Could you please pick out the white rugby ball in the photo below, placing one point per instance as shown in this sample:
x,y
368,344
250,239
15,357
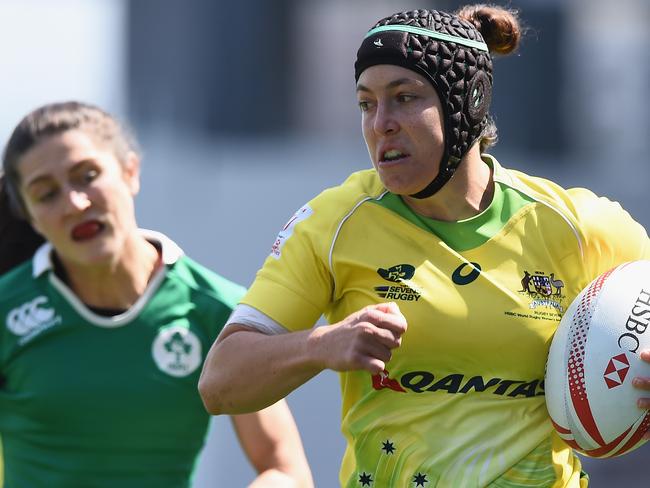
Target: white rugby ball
x,y
593,358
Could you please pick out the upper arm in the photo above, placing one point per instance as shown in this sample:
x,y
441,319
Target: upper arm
x,y
232,328
247,318
294,287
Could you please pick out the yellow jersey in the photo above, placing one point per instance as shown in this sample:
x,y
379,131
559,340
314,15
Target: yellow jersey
x,y
461,403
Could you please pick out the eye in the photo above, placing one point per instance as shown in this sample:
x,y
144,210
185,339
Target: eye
x,y
45,195
405,97
363,105
90,174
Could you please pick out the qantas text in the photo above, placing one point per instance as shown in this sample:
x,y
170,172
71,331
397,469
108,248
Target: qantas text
x,y
424,381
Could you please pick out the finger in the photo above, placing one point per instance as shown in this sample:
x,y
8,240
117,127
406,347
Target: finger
x,y
641,382
368,355
396,323
643,403
378,351
387,338
367,333
645,355
373,365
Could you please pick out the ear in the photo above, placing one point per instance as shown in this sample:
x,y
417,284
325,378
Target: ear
x,y
131,172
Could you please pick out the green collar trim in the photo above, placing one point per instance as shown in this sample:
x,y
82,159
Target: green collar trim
x,y
469,233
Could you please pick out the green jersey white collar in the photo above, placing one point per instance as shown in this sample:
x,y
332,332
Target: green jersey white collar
x,y
171,252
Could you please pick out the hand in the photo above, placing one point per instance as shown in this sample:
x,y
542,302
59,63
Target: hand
x,y
363,340
643,383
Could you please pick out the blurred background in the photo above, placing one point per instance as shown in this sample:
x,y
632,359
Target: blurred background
x,y
245,110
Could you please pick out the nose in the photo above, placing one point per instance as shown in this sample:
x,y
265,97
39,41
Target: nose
x,y
385,121
77,201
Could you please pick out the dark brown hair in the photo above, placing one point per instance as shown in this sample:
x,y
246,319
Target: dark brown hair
x,y
18,240
500,27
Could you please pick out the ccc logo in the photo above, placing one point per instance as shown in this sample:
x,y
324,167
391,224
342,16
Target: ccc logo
x,y
466,273
29,316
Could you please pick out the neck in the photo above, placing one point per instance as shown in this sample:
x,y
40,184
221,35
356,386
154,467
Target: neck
x,y
119,284
465,195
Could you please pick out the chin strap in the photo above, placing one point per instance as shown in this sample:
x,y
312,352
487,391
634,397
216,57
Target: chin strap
x,y
444,175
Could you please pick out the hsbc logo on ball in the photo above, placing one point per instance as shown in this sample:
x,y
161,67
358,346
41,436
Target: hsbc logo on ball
x,y
616,371
636,324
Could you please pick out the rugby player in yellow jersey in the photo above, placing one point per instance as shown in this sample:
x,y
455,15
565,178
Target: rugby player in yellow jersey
x,y
443,276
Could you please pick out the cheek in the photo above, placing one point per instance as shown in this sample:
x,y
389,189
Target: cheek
x,y
120,201
430,136
41,222
436,127
368,135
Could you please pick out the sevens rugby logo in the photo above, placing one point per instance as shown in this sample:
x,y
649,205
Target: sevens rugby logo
x,y
176,351
397,273
616,371
401,291
30,318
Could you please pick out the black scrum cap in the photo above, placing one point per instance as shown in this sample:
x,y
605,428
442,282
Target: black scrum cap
x,y
451,54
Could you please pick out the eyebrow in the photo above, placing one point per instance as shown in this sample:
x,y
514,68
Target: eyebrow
x,y
46,177
392,84
37,180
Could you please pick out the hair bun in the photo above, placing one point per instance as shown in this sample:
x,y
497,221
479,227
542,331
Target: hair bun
x,y
499,27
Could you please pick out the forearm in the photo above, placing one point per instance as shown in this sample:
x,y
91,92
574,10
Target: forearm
x,y
247,371
272,443
274,478
286,468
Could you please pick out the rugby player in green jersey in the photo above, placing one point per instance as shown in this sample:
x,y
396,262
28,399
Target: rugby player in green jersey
x,y
105,329
443,276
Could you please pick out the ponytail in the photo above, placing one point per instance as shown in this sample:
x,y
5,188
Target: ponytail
x,y
18,240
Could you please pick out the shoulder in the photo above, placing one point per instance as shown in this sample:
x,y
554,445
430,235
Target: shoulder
x,y
364,183
25,300
581,205
333,204
578,205
318,221
196,279
358,187
204,282
18,282
604,229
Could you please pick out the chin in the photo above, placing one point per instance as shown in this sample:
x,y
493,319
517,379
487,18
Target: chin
x,y
402,186
99,254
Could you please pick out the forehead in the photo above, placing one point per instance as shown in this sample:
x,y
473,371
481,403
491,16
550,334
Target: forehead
x,y
57,153
388,75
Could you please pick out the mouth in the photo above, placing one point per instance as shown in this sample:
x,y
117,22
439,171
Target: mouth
x,y
391,156
87,230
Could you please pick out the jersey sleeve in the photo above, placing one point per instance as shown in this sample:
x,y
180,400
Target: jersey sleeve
x,y
611,235
294,287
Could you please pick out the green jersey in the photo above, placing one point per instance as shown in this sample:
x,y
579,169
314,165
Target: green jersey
x,y
93,401
461,403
